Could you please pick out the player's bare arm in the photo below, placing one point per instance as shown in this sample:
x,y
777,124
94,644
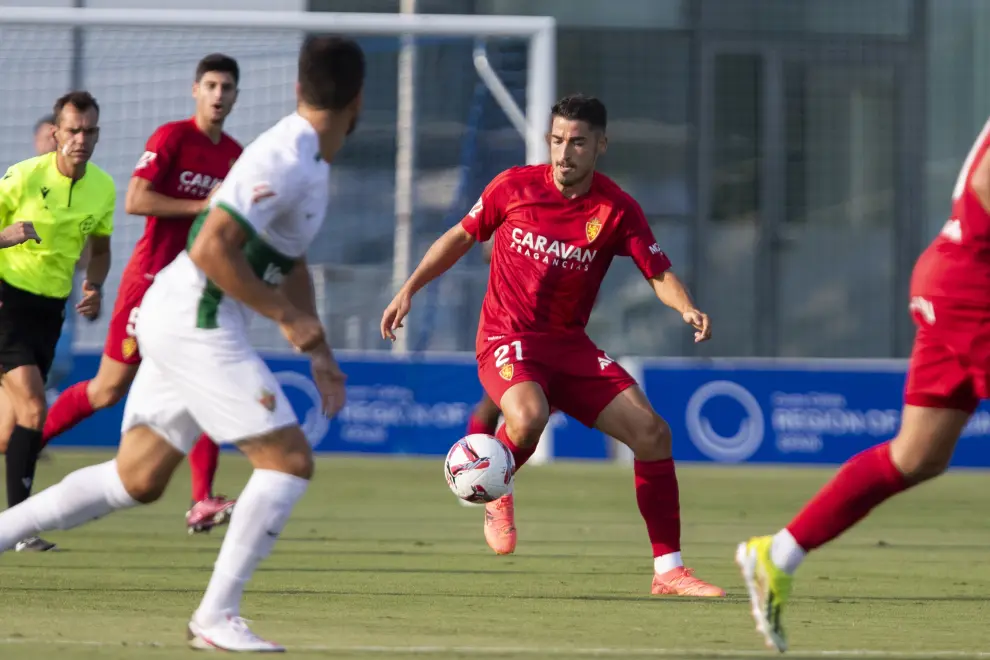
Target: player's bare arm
x,y
218,252
444,253
97,269
298,288
672,293
142,199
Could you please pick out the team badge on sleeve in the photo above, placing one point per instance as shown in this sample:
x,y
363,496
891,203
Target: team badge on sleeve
x,y
592,229
506,371
128,347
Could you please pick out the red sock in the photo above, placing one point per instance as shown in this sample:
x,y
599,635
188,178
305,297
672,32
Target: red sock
x,y
866,480
71,407
479,425
659,504
203,467
520,454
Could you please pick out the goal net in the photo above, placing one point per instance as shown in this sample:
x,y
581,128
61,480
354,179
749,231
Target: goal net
x,y
474,101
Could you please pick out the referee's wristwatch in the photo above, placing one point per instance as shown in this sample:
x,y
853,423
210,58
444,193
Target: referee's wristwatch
x,y
96,286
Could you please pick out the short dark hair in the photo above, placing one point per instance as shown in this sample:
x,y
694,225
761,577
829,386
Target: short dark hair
x,y
331,71
47,119
219,63
578,107
81,100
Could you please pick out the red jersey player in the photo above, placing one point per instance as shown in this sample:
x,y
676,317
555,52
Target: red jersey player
x,y
556,229
183,163
949,373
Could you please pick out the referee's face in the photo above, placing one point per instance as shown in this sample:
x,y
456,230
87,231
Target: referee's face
x,y
77,133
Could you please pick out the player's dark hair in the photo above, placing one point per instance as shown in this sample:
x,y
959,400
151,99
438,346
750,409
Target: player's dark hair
x,y
331,72
47,119
218,63
81,100
578,107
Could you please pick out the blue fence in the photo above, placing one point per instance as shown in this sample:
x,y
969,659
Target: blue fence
x,y
728,411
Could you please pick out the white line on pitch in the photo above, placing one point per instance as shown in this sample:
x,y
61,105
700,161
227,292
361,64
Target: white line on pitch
x,y
537,650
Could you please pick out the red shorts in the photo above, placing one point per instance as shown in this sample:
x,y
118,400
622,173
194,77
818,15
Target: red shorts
x,y
950,361
577,377
121,344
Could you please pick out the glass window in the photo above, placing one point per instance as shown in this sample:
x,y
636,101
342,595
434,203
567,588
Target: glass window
x,y
880,17
644,79
958,96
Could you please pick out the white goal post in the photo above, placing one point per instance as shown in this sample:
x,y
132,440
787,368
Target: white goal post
x,y
540,34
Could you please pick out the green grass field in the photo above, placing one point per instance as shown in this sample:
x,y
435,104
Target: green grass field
x,y
380,561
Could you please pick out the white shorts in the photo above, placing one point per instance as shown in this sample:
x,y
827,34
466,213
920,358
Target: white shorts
x,y
194,381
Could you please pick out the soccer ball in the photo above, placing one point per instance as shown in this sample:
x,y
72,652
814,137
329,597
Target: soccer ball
x,y
479,468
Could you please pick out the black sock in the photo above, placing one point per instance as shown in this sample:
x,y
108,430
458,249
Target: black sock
x,y
22,458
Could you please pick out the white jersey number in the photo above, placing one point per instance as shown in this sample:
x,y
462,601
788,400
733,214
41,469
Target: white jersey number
x,y
502,353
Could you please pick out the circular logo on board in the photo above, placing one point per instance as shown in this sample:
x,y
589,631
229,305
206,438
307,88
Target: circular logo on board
x,y
314,423
727,449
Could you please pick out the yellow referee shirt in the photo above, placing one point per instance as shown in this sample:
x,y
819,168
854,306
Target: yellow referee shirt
x,y
64,212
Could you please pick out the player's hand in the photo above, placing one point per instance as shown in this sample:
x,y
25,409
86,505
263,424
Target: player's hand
x,y
329,381
395,313
17,233
699,321
303,331
92,301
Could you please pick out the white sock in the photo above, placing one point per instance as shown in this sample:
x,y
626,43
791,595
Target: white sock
x,y
83,495
667,562
785,552
262,510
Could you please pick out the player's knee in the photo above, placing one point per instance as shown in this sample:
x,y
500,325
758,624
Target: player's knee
x,y
145,486
649,437
525,428
106,393
298,464
30,413
919,466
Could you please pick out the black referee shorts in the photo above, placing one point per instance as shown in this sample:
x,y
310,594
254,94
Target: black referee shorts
x,y
30,326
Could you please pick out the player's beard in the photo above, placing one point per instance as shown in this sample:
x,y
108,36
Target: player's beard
x,y
572,178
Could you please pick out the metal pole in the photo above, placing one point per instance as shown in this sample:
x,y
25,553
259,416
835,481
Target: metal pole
x,y
405,164
76,72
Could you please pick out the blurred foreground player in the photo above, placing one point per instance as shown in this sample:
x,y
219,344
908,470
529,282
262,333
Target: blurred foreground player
x,y
556,229
182,164
949,373
199,371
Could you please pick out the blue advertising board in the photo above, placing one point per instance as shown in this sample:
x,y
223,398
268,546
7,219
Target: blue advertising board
x,y
763,411
417,404
727,411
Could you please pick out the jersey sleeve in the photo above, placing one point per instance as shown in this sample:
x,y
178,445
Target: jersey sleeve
x,y
256,191
104,224
489,211
637,241
11,186
159,153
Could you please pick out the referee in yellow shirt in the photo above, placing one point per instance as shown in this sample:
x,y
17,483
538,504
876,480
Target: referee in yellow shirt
x,y
61,200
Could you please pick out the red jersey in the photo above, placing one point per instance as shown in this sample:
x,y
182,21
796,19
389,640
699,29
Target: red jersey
x,y
182,162
550,253
957,263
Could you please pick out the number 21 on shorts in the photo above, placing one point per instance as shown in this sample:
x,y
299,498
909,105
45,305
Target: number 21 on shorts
x,y
503,362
